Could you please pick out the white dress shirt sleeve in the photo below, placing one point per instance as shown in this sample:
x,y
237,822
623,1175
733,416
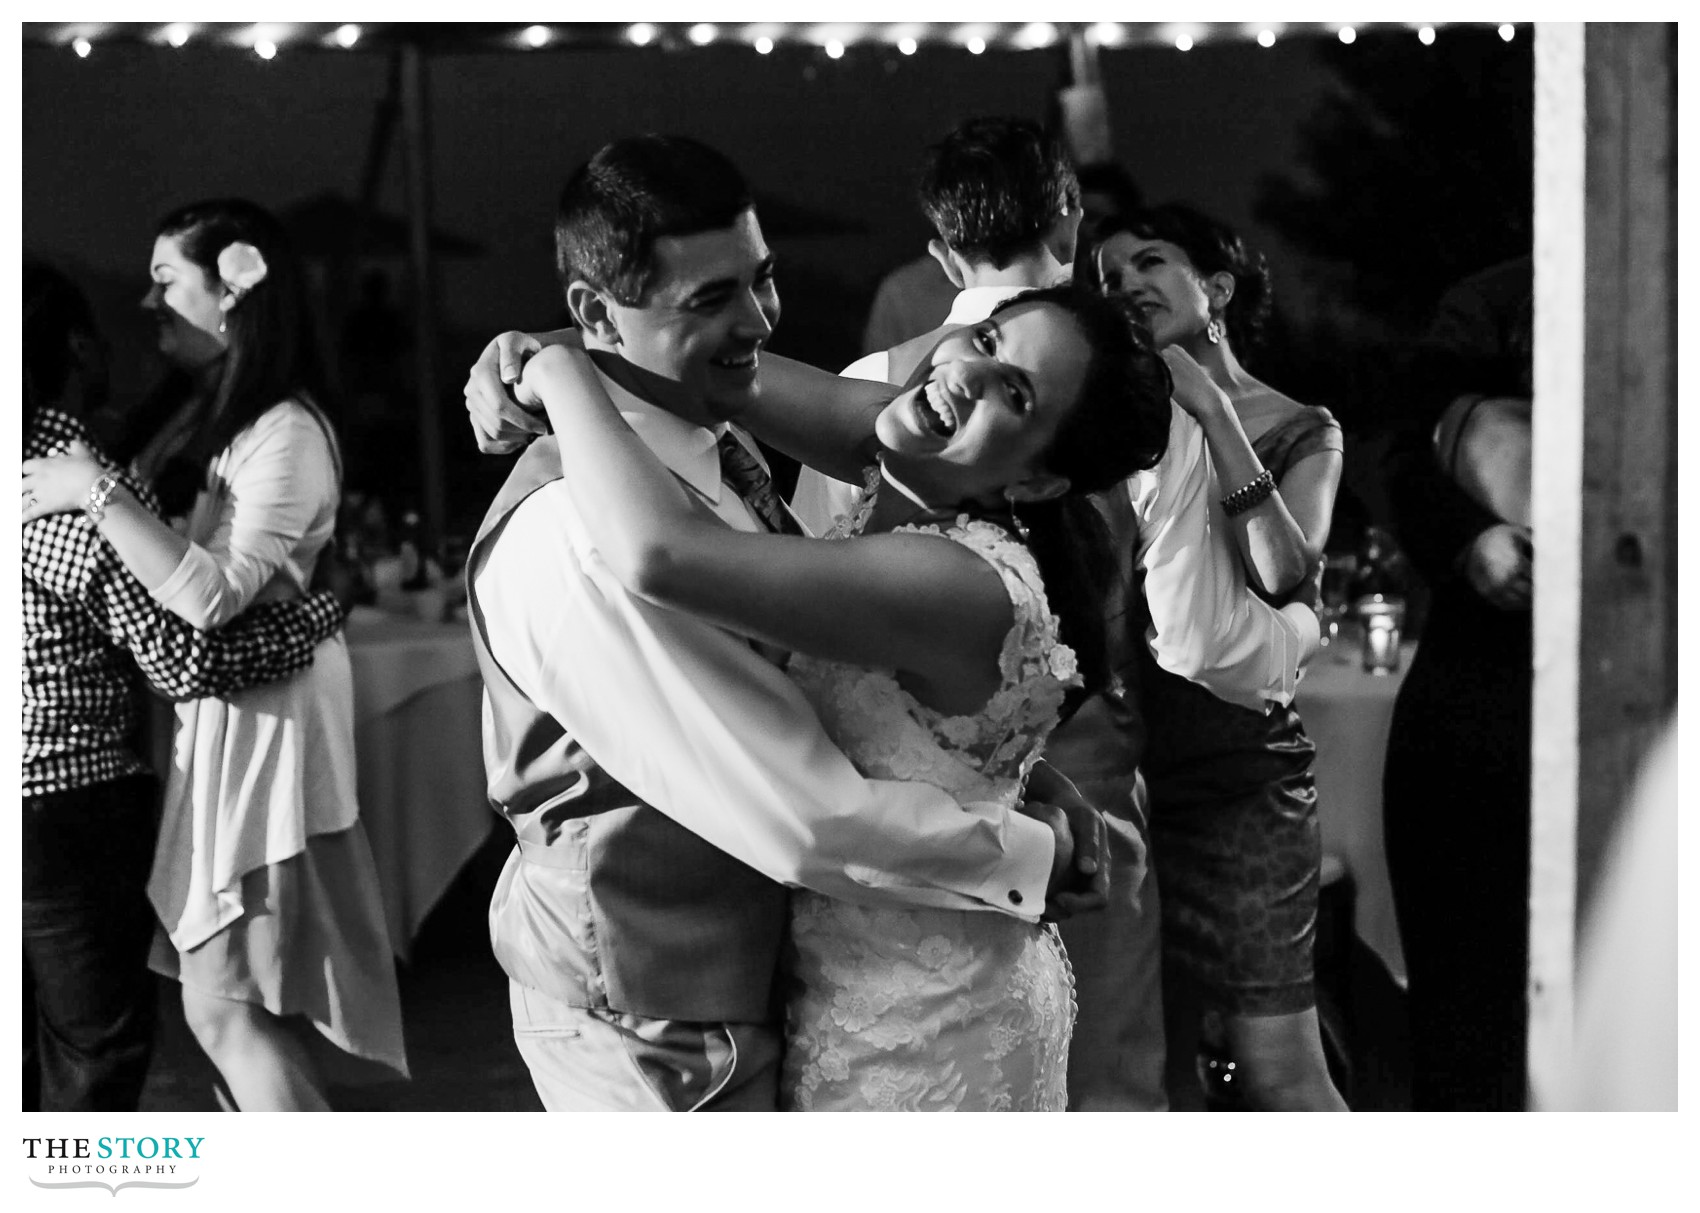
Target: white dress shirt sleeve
x,y
1206,625
689,718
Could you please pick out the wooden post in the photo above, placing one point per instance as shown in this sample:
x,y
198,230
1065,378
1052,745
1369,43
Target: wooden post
x,y
1627,680
416,148
1082,107
1604,471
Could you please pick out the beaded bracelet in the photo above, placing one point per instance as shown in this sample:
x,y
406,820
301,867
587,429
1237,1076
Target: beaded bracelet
x,y
1254,493
100,492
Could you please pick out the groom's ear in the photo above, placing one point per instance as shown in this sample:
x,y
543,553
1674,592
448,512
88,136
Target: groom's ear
x,y
947,261
592,312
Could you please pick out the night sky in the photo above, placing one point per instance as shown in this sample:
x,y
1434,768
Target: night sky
x,y
112,142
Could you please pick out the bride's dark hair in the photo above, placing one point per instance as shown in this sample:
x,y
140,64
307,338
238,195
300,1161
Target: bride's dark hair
x,y
1119,426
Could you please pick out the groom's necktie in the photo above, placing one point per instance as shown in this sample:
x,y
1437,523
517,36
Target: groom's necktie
x,y
747,477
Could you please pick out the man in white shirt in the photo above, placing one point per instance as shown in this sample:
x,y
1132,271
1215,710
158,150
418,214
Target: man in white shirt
x,y
1005,203
665,781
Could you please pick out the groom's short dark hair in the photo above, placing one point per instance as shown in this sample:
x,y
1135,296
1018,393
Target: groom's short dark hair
x,y
615,206
993,187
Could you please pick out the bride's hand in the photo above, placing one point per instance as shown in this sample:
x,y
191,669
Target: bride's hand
x,y
1195,391
499,424
539,366
58,484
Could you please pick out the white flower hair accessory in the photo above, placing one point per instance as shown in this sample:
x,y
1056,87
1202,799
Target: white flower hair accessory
x,y
240,267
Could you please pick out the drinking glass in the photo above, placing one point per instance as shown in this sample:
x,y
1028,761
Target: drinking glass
x,y
1337,574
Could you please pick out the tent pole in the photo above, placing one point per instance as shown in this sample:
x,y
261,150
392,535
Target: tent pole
x,y
415,144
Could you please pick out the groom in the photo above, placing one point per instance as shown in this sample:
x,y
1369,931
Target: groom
x,y
665,781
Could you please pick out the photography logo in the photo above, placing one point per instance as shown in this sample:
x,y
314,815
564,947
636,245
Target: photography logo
x,y
113,1163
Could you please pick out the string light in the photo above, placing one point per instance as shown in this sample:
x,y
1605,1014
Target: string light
x,y
1036,34
1508,32
265,40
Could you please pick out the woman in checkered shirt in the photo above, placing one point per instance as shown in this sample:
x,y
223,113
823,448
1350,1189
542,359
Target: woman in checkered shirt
x,y
263,880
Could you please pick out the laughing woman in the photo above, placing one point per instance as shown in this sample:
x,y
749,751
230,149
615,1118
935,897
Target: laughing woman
x,y
1235,840
263,879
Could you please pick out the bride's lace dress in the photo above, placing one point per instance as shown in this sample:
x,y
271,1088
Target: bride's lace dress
x,y
922,1009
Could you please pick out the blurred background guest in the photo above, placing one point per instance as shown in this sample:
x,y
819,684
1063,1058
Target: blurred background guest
x,y
263,878
1235,839
1456,790
89,799
913,299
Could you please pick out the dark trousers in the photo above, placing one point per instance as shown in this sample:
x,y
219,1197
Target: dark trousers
x,y
1457,824
89,999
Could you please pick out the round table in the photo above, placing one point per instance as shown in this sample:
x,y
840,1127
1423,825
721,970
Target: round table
x,y
1348,713
418,750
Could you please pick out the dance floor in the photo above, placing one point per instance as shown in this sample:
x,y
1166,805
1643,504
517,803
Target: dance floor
x,y
454,1002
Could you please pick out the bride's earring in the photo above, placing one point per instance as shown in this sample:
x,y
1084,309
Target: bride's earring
x,y
1213,331
1015,521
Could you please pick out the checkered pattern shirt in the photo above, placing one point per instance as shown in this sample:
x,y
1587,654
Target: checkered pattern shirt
x,y
89,626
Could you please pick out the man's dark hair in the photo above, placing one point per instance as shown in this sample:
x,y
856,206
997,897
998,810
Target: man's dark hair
x,y
619,202
55,312
993,187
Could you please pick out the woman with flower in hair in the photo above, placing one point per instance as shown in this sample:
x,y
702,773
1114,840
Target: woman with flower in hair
x,y
1235,841
263,880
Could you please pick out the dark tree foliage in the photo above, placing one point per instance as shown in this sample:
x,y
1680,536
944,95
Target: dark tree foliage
x,y
1418,167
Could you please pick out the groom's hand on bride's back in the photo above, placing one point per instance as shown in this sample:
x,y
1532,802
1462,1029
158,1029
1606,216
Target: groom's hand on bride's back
x,y
499,422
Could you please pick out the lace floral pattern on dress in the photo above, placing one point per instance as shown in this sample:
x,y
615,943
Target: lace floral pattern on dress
x,y
925,1009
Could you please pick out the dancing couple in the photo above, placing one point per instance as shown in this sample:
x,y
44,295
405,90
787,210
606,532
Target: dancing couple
x,y
717,859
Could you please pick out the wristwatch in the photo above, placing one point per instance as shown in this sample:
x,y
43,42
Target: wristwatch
x,y
100,492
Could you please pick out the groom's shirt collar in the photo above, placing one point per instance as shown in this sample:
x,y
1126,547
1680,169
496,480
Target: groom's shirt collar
x,y
977,302
687,448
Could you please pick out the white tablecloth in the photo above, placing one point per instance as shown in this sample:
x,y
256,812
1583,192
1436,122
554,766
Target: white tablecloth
x,y
1348,714
421,769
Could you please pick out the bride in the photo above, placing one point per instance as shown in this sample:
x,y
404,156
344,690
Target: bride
x,y
938,640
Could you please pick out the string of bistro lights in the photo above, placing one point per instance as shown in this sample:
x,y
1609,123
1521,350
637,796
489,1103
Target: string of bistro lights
x,y
834,40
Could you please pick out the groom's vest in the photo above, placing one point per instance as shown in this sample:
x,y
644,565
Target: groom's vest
x,y
606,902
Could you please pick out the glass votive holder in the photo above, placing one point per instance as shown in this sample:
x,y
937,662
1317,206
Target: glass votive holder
x,y
1381,618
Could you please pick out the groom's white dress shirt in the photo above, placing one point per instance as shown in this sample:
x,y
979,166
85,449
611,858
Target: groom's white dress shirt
x,y
693,721
1205,626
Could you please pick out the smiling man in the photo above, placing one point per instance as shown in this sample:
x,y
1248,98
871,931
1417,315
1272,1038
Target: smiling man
x,y
665,781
